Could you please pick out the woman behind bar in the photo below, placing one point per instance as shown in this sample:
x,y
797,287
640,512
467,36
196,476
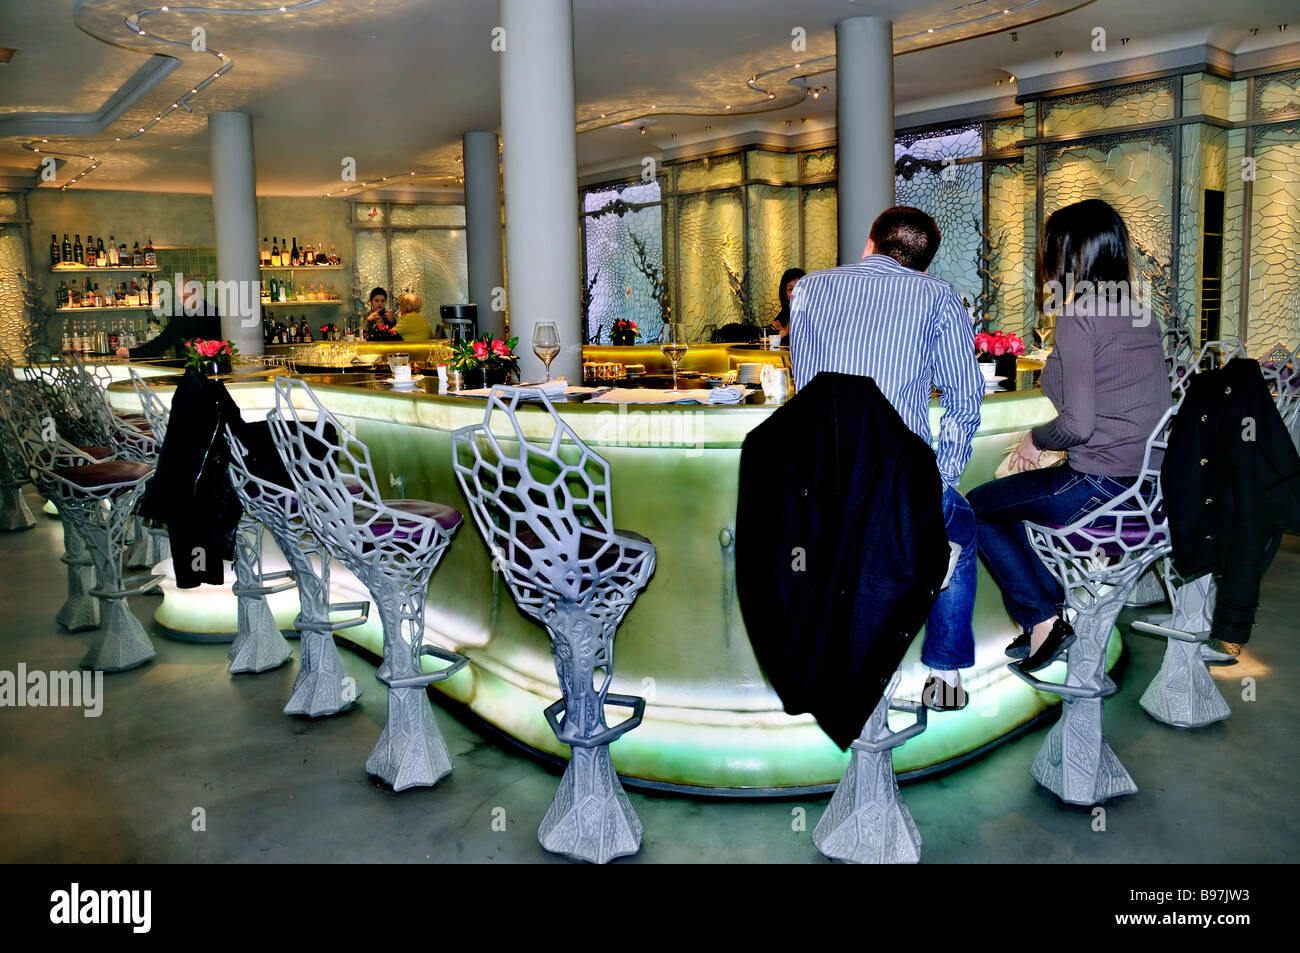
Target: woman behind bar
x,y
1108,382
781,323
379,313
411,325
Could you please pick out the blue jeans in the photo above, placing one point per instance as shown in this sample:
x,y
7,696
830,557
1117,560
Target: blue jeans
x,y
1055,495
949,642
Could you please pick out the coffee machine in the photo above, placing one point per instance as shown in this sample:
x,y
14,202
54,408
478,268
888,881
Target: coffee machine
x,y
461,321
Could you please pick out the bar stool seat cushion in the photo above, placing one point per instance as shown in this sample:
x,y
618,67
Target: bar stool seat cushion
x,y
588,546
96,475
446,517
99,453
1134,533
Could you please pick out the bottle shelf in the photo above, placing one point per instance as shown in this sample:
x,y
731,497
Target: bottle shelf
x,y
294,304
302,267
85,269
129,307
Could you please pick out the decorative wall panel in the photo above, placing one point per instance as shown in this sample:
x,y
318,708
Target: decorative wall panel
x,y
773,244
820,163
712,259
1234,230
1275,236
1005,133
1107,108
710,172
1006,226
926,176
372,261
8,205
1206,95
1277,93
453,215
431,262
775,166
1205,151
369,214
820,228
12,262
620,290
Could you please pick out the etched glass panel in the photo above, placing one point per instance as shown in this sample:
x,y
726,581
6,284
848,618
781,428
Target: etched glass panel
x,y
712,261
1005,133
12,317
1279,92
710,171
615,277
820,228
431,262
8,205
1275,236
819,164
773,244
773,166
1107,108
1009,279
427,215
372,263
927,176
372,214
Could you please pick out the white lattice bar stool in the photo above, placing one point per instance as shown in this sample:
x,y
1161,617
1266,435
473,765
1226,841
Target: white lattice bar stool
x,y
1097,559
392,547
322,686
545,510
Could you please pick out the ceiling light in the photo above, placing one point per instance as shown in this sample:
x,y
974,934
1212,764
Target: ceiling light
x,y
931,30
771,95
643,130
164,9
284,9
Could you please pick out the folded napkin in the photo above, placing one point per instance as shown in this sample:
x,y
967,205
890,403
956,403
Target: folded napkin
x,y
552,388
727,395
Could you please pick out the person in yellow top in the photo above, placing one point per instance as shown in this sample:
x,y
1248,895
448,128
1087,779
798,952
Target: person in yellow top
x,y
411,325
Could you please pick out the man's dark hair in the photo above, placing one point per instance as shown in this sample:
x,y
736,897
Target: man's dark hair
x,y
907,235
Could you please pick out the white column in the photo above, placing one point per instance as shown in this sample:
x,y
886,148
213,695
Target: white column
x,y
864,86
234,214
483,227
541,179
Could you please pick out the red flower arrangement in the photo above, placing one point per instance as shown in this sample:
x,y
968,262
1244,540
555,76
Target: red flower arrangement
x,y
624,325
203,355
999,343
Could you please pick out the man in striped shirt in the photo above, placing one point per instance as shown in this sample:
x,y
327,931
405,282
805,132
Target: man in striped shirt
x,y
882,317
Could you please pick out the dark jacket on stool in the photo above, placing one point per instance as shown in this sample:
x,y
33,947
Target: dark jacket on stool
x,y
190,491
1231,480
840,548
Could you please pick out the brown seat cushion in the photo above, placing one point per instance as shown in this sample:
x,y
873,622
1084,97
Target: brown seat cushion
x,y
96,475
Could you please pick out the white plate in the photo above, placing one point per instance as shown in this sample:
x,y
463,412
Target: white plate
x,y
396,383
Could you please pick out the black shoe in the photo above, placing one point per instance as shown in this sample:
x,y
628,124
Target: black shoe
x,y
938,695
1057,641
1020,647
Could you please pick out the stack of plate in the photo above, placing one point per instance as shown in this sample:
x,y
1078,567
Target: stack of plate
x,y
748,373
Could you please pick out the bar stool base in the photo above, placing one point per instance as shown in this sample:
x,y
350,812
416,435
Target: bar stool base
x,y
15,515
411,751
1183,693
1147,591
80,611
259,647
591,817
867,821
122,643
1075,763
323,686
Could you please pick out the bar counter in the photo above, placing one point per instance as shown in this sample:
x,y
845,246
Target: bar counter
x,y
712,723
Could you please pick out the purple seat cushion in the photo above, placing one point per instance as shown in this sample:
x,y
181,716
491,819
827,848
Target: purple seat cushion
x,y
99,453
383,527
1134,533
96,475
588,546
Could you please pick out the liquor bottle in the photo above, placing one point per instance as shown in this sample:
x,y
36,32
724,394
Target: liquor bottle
x,y
294,260
114,259
76,252
304,332
308,256
276,258
55,257
137,256
264,254
67,339
101,256
67,248
150,256
123,256
88,296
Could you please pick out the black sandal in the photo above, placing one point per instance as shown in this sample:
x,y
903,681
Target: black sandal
x,y
1057,641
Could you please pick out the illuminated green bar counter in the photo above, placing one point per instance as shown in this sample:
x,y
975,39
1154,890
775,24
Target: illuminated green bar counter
x,y
712,723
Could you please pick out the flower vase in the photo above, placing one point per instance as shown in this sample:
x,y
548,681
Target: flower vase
x,y
1006,367
211,366
475,378
622,338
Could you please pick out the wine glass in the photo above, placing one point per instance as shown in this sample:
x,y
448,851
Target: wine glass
x,y
546,344
673,345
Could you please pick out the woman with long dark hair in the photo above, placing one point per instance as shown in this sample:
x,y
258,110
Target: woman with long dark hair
x,y
1107,380
781,323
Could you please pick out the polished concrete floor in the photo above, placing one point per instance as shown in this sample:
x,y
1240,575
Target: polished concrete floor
x,y
180,734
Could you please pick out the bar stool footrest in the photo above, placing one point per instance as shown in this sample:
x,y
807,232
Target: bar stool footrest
x,y
609,735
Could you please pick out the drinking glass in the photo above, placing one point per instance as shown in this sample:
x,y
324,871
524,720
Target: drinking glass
x,y
546,344
673,344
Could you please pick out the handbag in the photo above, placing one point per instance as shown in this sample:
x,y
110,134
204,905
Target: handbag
x,y
1048,458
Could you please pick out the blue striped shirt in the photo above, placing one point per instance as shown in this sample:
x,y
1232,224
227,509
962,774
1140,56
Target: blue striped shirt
x,y
904,329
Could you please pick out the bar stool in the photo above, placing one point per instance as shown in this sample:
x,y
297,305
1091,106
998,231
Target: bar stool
x,y
1183,693
1097,559
15,514
97,498
392,546
322,686
1281,370
545,512
867,821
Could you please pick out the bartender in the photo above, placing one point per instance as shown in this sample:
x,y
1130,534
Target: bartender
x,y
198,320
781,323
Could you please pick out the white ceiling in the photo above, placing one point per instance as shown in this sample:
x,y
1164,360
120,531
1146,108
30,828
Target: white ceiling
x,y
394,83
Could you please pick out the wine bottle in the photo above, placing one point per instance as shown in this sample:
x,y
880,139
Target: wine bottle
x,y
276,258
77,253
137,256
55,257
150,256
294,260
101,256
264,254
67,248
114,260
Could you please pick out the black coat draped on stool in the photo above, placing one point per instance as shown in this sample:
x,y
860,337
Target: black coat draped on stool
x,y
1231,481
840,548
